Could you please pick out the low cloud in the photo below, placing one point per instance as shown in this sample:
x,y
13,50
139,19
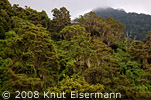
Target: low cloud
x,y
78,7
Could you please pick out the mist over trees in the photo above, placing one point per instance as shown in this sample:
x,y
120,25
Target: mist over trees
x,y
137,25
92,54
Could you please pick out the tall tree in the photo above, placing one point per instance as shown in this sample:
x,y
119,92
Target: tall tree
x,y
34,56
109,30
74,48
139,52
148,44
61,18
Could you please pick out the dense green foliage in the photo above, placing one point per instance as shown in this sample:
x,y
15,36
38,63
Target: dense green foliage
x,y
137,25
89,55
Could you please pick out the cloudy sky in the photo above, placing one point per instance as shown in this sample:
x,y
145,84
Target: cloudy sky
x,y
79,7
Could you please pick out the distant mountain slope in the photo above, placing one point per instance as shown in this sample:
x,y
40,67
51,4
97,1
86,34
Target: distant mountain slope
x,y
136,24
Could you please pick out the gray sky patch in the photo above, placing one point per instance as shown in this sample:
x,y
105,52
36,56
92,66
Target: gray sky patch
x,y
79,7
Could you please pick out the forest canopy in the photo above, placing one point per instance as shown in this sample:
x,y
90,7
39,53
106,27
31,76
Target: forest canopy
x,y
90,54
137,25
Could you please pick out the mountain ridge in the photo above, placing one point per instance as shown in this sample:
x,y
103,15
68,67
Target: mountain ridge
x,y
137,25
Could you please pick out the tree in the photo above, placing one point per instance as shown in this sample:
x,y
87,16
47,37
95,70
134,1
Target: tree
x,y
147,41
4,23
73,49
61,18
140,53
102,52
78,84
33,58
109,30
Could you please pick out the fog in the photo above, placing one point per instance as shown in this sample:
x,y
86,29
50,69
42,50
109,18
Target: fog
x,y
79,7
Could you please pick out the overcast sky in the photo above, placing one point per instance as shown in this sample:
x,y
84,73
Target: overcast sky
x,y
79,7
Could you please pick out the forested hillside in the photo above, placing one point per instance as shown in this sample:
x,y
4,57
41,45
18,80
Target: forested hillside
x,y
90,55
137,25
